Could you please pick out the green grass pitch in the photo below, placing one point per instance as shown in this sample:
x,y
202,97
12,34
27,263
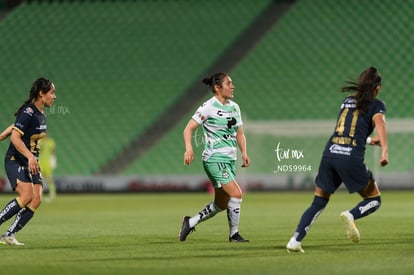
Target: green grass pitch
x,y
138,234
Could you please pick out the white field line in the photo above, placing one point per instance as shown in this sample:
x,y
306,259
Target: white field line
x,y
297,128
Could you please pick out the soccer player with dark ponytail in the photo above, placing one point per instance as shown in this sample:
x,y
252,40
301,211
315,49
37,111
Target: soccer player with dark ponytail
x,y
21,161
343,157
222,124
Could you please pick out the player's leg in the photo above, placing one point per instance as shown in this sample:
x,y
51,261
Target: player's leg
x,y
189,223
211,209
47,174
234,193
10,209
25,191
25,195
327,181
26,214
371,202
19,182
52,188
226,197
309,216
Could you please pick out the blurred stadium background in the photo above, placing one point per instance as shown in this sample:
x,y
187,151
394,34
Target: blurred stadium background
x,y
128,77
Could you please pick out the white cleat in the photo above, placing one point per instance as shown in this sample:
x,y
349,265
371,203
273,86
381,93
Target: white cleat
x,y
351,229
294,246
10,240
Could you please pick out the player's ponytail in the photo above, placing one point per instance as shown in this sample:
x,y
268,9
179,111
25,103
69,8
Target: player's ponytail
x,y
41,84
216,79
368,81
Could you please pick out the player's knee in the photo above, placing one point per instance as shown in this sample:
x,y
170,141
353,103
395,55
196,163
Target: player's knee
x,y
35,203
25,198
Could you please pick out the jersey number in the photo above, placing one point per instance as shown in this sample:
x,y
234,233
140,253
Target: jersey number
x,y
341,124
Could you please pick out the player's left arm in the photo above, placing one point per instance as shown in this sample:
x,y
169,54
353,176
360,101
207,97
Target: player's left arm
x,y
242,143
381,138
6,132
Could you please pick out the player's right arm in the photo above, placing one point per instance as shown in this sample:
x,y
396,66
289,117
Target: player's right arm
x,y
187,134
16,140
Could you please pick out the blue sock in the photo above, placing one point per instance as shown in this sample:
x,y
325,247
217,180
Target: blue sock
x,y
309,216
9,210
20,221
366,207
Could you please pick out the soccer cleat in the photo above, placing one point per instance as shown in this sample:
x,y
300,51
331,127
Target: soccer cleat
x,y
10,240
294,246
237,238
185,228
351,229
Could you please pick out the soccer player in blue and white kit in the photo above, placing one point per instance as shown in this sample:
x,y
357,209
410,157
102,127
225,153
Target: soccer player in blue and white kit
x,y
21,161
343,157
223,132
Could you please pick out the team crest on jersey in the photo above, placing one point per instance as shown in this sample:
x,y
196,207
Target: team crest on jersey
x,y
29,111
201,116
225,174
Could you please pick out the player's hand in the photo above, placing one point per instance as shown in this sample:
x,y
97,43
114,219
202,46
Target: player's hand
x,y
375,141
33,166
188,157
384,162
384,159
246,161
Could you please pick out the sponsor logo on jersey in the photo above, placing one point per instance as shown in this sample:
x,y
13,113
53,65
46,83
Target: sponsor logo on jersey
x,y
29,111
341,150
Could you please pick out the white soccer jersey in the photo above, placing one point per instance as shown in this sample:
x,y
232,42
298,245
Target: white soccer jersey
x,y
220,123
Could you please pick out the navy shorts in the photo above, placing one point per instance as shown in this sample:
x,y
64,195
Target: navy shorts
x,y
335,171
18,173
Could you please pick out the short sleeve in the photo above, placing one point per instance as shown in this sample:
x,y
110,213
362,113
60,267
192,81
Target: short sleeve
x,y
201,114
23,119
379,108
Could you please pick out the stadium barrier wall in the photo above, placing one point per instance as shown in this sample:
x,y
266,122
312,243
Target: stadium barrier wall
x,y
187,183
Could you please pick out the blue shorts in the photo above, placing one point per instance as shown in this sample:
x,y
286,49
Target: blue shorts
x,y
335,171
220,172
18,173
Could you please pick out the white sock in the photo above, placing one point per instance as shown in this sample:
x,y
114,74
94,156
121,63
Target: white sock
x,y
206,213
233,215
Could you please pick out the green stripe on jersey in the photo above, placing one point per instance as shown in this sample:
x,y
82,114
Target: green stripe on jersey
x,y
220,123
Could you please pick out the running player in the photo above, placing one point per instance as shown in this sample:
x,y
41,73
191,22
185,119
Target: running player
x,y
47,163
343,157
223,132
21,162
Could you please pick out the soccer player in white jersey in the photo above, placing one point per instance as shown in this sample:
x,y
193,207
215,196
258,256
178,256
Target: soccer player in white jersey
x,y
223,132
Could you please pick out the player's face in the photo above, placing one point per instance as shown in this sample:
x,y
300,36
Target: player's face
x,y
49,97
227,88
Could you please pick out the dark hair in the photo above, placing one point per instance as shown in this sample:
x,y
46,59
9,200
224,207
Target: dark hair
x,y
41,84
216,79
367,83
